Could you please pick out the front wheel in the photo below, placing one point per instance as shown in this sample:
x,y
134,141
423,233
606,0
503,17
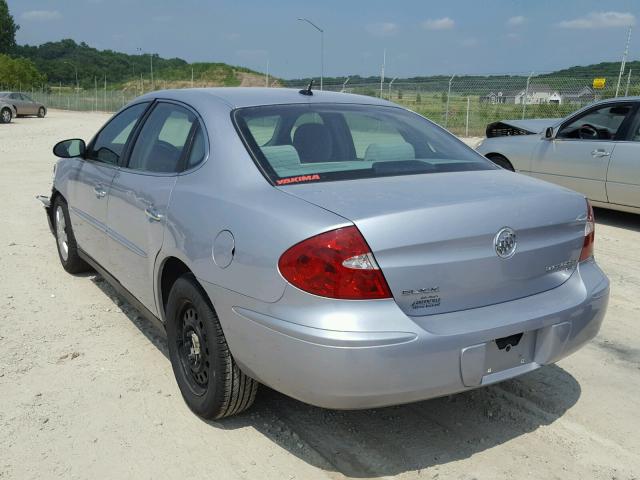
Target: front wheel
x,y
65,240
211,383
6,116
41,112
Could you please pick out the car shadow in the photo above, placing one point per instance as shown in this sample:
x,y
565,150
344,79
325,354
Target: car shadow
x,y
394,440
614,218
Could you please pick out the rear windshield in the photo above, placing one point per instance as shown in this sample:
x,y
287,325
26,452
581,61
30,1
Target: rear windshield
x,y
324,142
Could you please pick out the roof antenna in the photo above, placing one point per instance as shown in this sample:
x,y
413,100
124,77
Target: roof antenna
x,y
307,91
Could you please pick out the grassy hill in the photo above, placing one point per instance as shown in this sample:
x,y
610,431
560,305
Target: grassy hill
x,y
57,60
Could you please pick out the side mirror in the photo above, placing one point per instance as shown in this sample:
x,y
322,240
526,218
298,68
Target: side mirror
x,y
548,133
70,148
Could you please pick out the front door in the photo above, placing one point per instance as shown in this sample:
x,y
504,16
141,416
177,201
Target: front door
x,y
623,177
30,107
141,194
578,157
19,104
90,183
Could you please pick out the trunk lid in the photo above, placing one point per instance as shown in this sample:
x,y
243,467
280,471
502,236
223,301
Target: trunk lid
x,y
433,235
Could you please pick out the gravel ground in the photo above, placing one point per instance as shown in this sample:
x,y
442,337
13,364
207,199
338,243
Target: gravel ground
x,y
87,391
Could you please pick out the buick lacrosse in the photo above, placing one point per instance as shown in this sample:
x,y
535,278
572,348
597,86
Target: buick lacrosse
x,y
338,248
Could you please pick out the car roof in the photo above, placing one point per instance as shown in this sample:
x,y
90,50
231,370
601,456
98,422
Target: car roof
x,y
238,97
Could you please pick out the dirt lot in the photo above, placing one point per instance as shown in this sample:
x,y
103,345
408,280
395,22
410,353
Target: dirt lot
x,y
86,390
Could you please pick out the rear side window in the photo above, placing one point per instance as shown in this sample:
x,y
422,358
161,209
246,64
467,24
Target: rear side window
x,y
163,139
326,142
110,142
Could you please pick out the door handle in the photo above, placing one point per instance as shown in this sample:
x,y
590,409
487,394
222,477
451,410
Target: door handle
x,y
598,153
99,191
153,214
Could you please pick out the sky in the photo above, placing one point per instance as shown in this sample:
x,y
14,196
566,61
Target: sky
x,y
421,37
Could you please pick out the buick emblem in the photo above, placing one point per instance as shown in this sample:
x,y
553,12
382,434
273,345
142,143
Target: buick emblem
x,y
505,243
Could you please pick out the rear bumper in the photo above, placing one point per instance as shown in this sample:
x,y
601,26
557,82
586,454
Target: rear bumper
x,y
382,357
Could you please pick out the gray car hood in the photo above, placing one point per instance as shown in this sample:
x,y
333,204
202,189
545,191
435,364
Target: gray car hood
x,y
532,125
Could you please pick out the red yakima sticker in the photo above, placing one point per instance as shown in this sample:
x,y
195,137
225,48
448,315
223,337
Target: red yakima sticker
x,y
302,178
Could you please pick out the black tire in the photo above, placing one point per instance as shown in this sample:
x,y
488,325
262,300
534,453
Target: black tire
x,y
65,240
42,112
211,383
6,115
501,161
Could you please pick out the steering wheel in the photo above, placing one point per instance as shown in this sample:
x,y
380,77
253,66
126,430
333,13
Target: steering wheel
x,y
588,132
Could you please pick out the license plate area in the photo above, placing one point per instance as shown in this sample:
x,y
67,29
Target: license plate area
x,y
508,352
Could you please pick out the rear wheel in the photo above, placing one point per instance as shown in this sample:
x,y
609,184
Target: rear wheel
x,y
501,161
42,112
65,240
211,383
6,115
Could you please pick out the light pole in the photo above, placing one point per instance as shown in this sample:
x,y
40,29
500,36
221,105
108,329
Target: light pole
x,y
76,70
321,46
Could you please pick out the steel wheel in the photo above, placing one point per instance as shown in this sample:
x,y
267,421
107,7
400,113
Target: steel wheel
x,y
193,350
61,233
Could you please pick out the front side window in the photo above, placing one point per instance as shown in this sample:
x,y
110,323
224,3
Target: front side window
x,y
326,142
163,139
599,124
110,142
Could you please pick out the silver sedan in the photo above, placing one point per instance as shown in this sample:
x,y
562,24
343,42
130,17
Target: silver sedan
x,y
23,104
594,151
338,248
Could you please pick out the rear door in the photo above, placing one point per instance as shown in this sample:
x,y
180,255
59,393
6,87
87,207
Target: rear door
x,y
578,157
88,188
623,177
140,196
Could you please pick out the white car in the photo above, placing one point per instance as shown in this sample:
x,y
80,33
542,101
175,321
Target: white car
x,y
595,151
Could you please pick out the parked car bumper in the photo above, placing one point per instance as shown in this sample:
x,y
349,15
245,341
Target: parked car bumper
x,y
414,358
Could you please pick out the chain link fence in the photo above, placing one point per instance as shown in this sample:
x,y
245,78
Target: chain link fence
x,y
462,104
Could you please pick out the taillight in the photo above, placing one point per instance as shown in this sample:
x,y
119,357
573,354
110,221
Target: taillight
x,y
335,264
589,235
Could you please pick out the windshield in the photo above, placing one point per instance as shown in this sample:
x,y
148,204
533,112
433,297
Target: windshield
x,y
4,94
325,142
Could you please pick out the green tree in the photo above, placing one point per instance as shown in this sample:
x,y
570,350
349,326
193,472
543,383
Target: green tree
x,y
8,29
19,72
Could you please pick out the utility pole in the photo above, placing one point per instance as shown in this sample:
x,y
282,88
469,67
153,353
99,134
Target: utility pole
x,y
321,47
384,62
191,76
626,91
624,59
76,70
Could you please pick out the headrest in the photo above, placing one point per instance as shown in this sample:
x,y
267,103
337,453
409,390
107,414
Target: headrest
x,y
313,143
281,157
384,152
